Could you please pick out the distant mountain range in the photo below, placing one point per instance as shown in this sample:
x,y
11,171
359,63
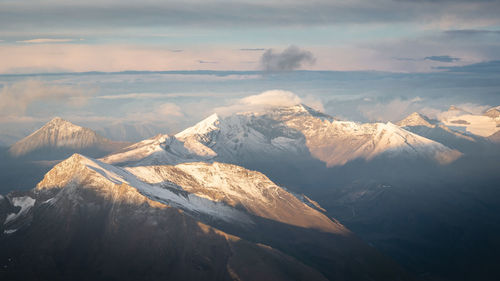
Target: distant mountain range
x,y
297,131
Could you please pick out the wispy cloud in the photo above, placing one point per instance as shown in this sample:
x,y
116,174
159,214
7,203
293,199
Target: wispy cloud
x,y
251,13
16,97
209,62
48,40
131,96
491,67
271,98
290,59
442,58
471,32
393,110
252,49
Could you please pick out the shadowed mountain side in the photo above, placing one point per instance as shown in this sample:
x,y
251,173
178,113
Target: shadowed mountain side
x,y
20,174
495,137
104,239
81,188
440,224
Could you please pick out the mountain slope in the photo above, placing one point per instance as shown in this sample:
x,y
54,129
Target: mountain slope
x,y
482,125
296,132
416,119
60,138
88,220
431,129
95,229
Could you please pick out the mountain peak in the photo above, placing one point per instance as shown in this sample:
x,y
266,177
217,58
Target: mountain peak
x,y
493,112
415,119
59,135
57,119
204,126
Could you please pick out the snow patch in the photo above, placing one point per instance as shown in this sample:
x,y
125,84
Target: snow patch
x,y
9,231
25,203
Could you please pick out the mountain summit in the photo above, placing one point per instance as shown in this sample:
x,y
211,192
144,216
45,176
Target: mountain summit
x,y
59,138
416,119
294,132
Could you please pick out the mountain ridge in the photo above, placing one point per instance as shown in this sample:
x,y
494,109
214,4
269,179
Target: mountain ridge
x,y
295,130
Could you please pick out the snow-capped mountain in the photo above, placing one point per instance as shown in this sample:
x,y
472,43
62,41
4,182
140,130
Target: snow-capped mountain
x,y
220,191
60,138
298,132
417,119
493,112
434,130
190,221
483,125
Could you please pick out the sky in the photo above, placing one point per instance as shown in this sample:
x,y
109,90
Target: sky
x,y
112,35
159,66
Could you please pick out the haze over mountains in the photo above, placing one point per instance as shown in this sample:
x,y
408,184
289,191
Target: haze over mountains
x,y
189,206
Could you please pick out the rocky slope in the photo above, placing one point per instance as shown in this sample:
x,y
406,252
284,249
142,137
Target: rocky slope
x,y
198,221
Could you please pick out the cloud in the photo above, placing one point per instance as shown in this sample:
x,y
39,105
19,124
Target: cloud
x,y
290,59
132,96
163,113
210,62
48,40
442,58
252,49
169,109
492,67
16,97
116,57
126,13
265,100
470,32
473,107
394,110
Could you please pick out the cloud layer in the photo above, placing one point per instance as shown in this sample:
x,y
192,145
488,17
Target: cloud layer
x,y
110,13
15,98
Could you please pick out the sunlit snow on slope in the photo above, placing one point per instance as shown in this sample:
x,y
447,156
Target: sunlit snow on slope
x,y
480,125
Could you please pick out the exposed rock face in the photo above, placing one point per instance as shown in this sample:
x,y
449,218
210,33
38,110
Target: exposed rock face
x,y
60,137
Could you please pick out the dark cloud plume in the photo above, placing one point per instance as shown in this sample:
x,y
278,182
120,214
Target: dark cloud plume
x,y
290,59
442,58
